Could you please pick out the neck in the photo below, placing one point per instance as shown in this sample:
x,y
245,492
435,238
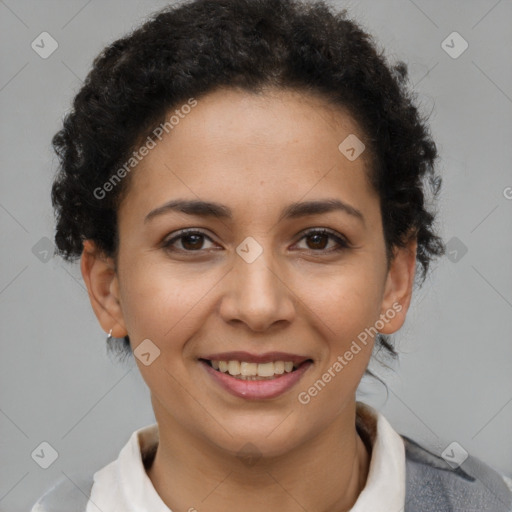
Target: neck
x,y
325,473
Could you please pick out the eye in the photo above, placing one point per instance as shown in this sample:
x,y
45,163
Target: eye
x,y
193,241
319,239
190,240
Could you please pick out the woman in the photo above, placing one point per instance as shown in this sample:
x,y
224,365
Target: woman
x,y
243,181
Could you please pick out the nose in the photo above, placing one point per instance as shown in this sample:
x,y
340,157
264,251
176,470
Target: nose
x,y
258,294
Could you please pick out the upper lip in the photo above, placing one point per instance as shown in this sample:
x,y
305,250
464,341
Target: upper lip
x,y
267,357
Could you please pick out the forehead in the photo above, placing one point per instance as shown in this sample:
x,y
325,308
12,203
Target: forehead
x,y
238,146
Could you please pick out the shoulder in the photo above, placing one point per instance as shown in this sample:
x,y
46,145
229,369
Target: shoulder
x,y
71,493
68,494
433,485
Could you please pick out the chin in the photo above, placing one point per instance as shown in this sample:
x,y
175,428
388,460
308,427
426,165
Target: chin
x,y
267,439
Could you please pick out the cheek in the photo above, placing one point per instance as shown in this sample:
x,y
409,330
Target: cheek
x,y
161,305
160,301
347,307
345,302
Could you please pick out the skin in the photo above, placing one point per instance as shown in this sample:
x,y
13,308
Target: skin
x,y
255,154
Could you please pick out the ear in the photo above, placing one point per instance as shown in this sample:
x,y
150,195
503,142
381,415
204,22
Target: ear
x,y
398,287
102,283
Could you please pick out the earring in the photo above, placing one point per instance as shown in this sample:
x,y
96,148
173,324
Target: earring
x,y
109,337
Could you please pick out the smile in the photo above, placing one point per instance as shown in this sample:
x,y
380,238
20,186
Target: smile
x,y
244,370
256,380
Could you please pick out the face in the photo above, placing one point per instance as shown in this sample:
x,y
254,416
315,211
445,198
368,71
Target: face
x,y
288,265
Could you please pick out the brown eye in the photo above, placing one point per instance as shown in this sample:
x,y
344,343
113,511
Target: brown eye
x,y
318,240
191,241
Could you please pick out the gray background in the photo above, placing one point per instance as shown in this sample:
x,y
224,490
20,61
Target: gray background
x,y
454,381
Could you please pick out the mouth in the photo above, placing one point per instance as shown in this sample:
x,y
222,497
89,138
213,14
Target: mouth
x,y
256,376
246,370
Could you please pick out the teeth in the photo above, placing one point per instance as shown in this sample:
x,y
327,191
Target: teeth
x,y
234,368
246,370
279,367
266,369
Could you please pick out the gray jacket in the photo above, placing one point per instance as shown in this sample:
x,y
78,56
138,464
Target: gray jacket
x,y
431,486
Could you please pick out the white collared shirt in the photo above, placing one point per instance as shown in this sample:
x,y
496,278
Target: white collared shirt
x,y
124,486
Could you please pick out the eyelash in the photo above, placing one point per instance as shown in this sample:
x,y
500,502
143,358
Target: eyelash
x,y
342,242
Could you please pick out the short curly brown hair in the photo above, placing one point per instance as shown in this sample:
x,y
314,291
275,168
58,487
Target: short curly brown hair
x,y
192,48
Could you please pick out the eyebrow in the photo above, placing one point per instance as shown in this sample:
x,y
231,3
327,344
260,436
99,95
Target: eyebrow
x,y
220,211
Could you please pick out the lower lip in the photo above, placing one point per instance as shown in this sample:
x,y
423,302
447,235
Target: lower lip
x,y
258,389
